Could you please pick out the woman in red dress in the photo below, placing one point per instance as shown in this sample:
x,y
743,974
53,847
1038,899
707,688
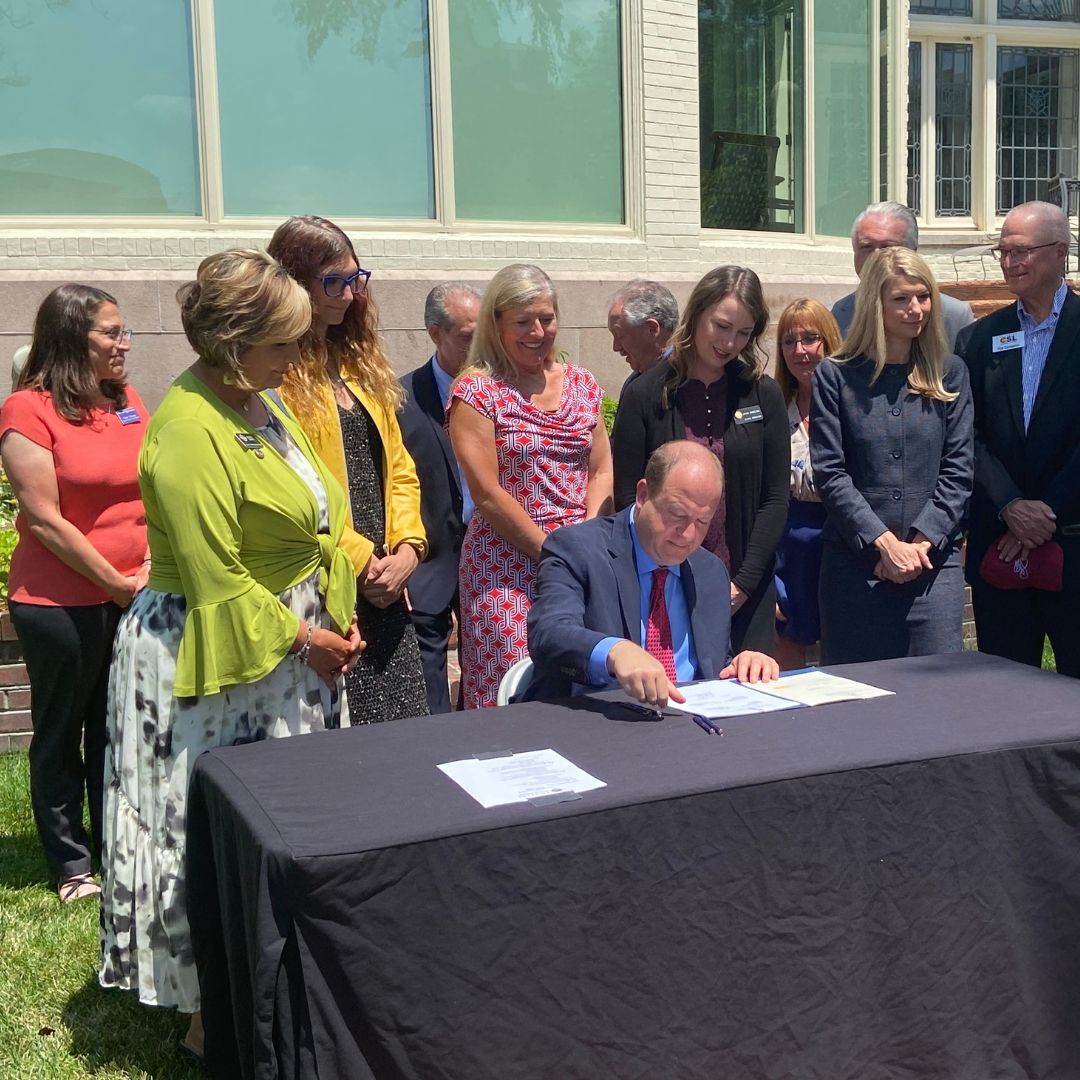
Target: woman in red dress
x,y
528,434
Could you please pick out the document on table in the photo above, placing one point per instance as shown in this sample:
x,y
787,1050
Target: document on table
x,y
727,697
519,778
820,688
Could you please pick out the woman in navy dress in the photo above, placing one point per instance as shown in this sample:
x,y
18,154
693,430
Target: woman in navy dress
x,y
893,450
805,335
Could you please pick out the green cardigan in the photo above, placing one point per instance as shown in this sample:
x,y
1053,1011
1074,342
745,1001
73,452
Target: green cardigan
x,y
228,529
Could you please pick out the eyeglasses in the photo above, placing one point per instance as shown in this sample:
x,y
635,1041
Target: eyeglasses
x,y
807,341
1019,253
117,334
334,285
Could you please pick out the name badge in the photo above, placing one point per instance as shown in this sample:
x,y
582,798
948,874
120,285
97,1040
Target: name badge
x,y
250,442
129,416
1005,342
752,414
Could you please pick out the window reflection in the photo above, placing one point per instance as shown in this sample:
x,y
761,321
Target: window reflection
x,y
751,59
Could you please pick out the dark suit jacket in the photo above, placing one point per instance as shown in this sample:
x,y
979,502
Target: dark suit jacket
x,y
587,589
1044,462
434,582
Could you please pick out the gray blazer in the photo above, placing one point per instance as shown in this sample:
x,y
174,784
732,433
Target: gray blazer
x,y
886,459
957,315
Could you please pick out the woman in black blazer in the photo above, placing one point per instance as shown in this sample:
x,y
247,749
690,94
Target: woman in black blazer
x,y
893,452
712,389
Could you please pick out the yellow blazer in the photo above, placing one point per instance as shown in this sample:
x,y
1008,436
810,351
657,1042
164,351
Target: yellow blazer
x,y
400,485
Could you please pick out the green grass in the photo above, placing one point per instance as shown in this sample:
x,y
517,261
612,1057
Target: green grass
x,y
56,1023
1048,661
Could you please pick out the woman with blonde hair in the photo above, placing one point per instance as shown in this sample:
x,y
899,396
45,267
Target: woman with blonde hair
x,y
714,391
805,334
892,444
246,626
528,435
346,397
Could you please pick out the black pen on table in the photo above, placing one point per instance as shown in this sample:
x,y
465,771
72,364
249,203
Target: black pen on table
x,y
705,724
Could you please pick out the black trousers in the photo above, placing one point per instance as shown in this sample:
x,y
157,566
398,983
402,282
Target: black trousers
x,y
433,637
1013,622
67,651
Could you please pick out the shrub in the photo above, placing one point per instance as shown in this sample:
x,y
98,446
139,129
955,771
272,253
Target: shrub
x,y
8,536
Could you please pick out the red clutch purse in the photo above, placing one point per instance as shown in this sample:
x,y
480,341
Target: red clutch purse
x,y
1042,569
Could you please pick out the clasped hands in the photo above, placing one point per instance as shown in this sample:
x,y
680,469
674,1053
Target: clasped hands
x,y
1030,523
642,676
900,561
331,655
384,577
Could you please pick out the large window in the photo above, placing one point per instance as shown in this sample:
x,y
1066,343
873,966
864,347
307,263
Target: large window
x,y
752,141
400,110
755,156
325,110
994,96
97,108
537,110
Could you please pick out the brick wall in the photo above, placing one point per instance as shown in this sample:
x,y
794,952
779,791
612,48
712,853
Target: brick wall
x,y
14,690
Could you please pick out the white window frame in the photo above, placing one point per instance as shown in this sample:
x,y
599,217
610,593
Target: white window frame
x,y
211,180
984,31
897,165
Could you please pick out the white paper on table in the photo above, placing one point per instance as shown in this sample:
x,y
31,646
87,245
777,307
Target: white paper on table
x,y
727,697
820,688
519,777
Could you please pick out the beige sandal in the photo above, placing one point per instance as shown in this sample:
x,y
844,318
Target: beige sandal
x,y
79,887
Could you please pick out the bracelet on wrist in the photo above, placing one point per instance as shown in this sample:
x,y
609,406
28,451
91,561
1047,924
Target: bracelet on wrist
x,y
304,651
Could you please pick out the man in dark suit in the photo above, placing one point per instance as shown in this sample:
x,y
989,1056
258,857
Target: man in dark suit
x,y
1024,362
632,600
891,224
450,316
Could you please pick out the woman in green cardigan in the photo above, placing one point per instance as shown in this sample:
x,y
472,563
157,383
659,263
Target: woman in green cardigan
x,y
246,627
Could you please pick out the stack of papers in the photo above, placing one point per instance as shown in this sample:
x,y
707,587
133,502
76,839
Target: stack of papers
x,y
515,778
726,697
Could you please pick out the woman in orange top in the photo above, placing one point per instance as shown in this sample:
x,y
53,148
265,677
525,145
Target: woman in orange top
x,y
69,439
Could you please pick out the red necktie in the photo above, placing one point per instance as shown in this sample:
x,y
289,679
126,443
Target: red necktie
x,y
658,628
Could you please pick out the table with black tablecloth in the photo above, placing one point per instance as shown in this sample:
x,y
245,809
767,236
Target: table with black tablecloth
x,y
869,889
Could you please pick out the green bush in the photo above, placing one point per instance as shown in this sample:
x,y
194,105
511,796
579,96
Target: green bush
x,y
8,536
607,408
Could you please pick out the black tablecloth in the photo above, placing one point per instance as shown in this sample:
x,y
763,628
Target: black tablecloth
x,y
886,888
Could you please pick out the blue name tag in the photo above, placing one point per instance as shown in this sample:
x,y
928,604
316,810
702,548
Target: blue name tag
x,y
129,416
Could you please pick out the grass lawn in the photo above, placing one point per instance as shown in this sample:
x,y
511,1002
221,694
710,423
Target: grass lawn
x,y
56,1023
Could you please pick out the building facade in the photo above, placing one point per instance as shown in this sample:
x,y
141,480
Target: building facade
x,y
601,139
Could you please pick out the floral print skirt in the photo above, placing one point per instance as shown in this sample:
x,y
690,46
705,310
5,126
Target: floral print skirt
x,y
154,739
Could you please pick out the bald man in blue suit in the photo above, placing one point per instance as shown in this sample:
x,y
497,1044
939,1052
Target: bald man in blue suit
x,y
588,624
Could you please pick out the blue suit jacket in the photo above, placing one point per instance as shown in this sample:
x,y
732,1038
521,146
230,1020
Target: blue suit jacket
x,y
587,589
434,582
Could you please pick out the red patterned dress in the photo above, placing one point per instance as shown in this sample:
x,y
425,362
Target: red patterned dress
x,y
544,463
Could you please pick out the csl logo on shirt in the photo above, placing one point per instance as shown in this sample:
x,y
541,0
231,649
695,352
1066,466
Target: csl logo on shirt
x,y
1005,342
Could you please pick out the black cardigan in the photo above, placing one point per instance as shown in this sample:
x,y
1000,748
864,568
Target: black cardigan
x,y
757,463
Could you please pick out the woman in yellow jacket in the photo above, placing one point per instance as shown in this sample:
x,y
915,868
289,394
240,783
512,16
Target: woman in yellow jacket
x,y
346,397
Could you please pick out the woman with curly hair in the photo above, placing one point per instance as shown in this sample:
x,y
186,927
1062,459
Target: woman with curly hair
x,y
346,397
713,390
